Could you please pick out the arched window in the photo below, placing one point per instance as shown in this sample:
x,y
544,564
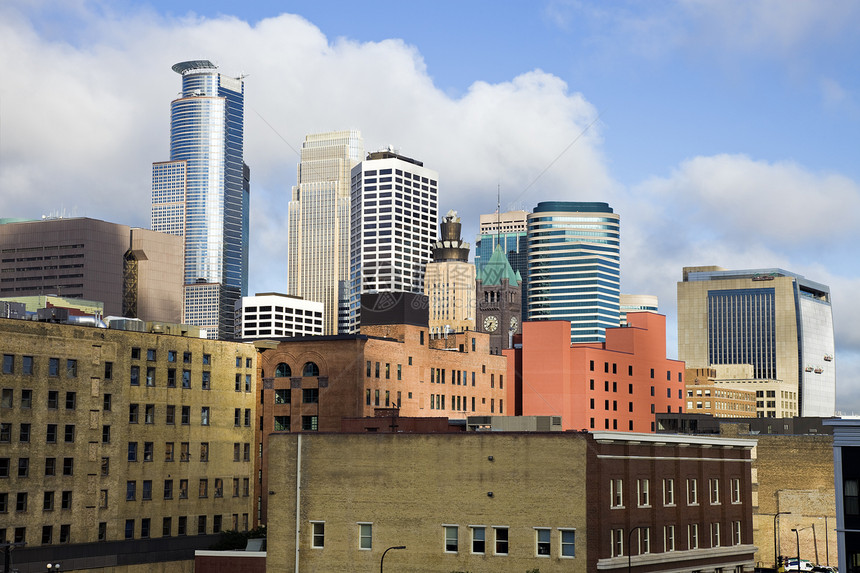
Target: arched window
x,y
283,371
311,369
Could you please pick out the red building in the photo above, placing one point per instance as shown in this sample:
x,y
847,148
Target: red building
x,y
615,385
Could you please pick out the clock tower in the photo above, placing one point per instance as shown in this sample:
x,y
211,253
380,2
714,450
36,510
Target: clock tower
x,y
498,301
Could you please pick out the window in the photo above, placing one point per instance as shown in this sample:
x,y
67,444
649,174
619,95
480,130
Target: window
x,y
246,487
542,541
247,382
147,451
617,541
184,452
310,396
204,416
68,466
693,536
23,467
644,540
53,366
8,364
6,432
692,491
48,501
668,538
103,499
130,490
134,376
183,489
6,398
185,415
235,487
282,424
132,413
27,366
201,525
216,523
317,534
219,487
71,368
451,538
309,423
26,399
310,369
182,525
24,433
203,489
150,376
616,498
206,379
47,534
170,415
736,490
186,378
715,534
69,433
21,501
186,358
365,536
171,377
171,356
248,417
479,540
168,489
132,451
129,529
102,535
4,467
106,434
53,399
150,354
237,417
567,538
668,491
107,402
204,451
207,359
108,371
105,466
144,527
71,400
714,484
282,396
501,534
283,371
643,487
149,414
146,494
66,500
736,532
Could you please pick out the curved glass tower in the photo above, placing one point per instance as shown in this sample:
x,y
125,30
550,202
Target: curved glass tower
x,y
202,193
574,267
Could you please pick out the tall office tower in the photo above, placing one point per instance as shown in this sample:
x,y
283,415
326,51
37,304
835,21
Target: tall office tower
x,y
203,194
510,231
394,217
778,322
449,281
318,249
574,267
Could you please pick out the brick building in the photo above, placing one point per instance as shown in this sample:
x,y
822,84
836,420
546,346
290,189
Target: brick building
x,y
311,384
706,395
120,448
618,384
502,501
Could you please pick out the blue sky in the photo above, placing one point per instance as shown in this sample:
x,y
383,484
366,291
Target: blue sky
x,y
725,132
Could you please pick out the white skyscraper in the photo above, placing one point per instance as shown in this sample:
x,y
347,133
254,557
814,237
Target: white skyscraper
x,y
318,250
394,220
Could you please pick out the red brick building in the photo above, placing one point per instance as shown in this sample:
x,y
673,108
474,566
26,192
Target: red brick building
x,y
615,385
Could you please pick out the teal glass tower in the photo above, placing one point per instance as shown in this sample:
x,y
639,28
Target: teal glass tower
x,y
574,270
203,194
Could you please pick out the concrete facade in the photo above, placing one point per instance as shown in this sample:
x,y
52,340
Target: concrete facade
x,y
122,446
615,385
267,315
85,258
498,501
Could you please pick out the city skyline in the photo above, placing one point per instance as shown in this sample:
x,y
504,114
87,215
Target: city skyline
x,y
742,120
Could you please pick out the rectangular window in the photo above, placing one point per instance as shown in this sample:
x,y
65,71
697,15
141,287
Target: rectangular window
x,y
108,371
736,532
365,536
166,526
69,433
184,452
107,401
479,541
282,424
206,380
715,534
150,376
182,525
149,414
451,537
568,542
132,451
68,466
170,415
146,494
714,484
183,489
692,491
617,541
7,397
148,451
317,534
185,414
282,396
66,500
736,490
201,525
23,467
130,490
48,501
53,366
309,423
8,364
204,416
186,378
6,432
144,528
186,358
207,359
219,487
644,540
134,376
543,544
203,490
616,496
71,368
668,538
47,534
24,433
150,354
171,377
668,491
693,536
168,489
643,487
310,396
105,466
501,534
133,413
106,434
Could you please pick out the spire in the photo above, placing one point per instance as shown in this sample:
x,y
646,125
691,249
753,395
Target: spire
x,y
497,269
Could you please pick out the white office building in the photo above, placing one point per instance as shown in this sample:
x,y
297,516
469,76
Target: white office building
x,y
275,315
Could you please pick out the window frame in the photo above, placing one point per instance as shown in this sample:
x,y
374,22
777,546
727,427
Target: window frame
x,y
365,534
474,538
562,543
453,541
543,547
317,534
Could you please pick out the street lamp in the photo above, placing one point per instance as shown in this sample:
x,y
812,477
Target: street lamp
x,y
775,519
629,551
53,566
797,535
382,560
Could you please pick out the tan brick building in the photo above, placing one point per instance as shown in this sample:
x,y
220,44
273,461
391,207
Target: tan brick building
x,y
500,501
707,396
311,384
136,438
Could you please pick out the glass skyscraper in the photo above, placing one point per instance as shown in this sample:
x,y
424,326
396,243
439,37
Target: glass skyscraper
x,y
574,267
203,194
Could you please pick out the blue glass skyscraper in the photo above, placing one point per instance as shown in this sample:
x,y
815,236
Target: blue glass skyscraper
x,y
203,194
574,267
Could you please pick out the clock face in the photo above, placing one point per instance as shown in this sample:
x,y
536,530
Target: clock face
x,y
514,323
491,323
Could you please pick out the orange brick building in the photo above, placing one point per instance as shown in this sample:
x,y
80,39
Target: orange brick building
x,y
615,385
311,384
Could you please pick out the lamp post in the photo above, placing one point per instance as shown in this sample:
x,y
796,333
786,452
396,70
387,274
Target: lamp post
x,y
797,535
382,560
775,520
629,550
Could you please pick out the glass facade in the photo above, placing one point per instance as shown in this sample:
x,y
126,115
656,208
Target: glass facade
x,y
203,192
574,267
742,329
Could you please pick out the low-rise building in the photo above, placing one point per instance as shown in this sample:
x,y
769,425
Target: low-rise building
x,y
121,447
502,501
618,384
707,396
271,314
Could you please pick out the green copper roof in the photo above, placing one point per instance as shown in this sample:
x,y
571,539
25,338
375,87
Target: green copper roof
x,y
497,269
